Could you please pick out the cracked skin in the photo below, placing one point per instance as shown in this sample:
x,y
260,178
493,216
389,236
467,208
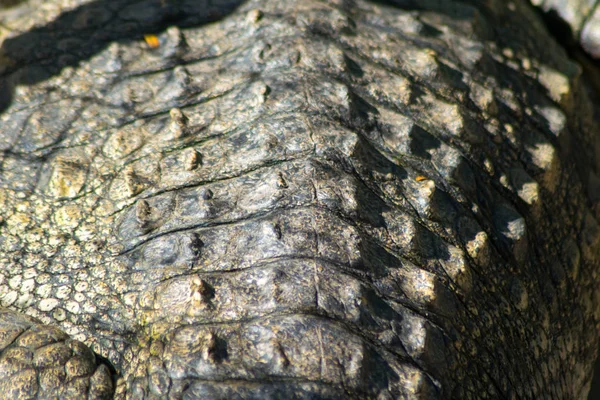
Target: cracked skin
x,y
319,199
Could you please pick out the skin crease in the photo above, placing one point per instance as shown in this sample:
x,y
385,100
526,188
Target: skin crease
x,y
574,21
268,199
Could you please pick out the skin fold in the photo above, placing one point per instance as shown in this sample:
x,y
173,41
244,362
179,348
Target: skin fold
x,y
340,199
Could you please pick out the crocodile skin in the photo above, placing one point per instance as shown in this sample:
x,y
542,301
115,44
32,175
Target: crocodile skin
x,y
318,199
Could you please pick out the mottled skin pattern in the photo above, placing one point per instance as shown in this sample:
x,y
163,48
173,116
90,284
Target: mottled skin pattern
x,y
317,199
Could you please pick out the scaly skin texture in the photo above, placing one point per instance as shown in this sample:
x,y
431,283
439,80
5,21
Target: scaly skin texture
x,y
317,199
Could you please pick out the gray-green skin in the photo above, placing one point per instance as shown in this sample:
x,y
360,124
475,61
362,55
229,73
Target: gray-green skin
x,y
313,199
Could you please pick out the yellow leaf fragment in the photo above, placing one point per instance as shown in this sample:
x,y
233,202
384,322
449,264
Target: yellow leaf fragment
x,y
152,41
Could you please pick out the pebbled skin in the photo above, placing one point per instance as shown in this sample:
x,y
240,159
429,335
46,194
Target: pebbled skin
x,y
320,199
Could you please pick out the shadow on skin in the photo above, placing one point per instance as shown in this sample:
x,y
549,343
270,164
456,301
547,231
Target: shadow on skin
x,y
78,34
